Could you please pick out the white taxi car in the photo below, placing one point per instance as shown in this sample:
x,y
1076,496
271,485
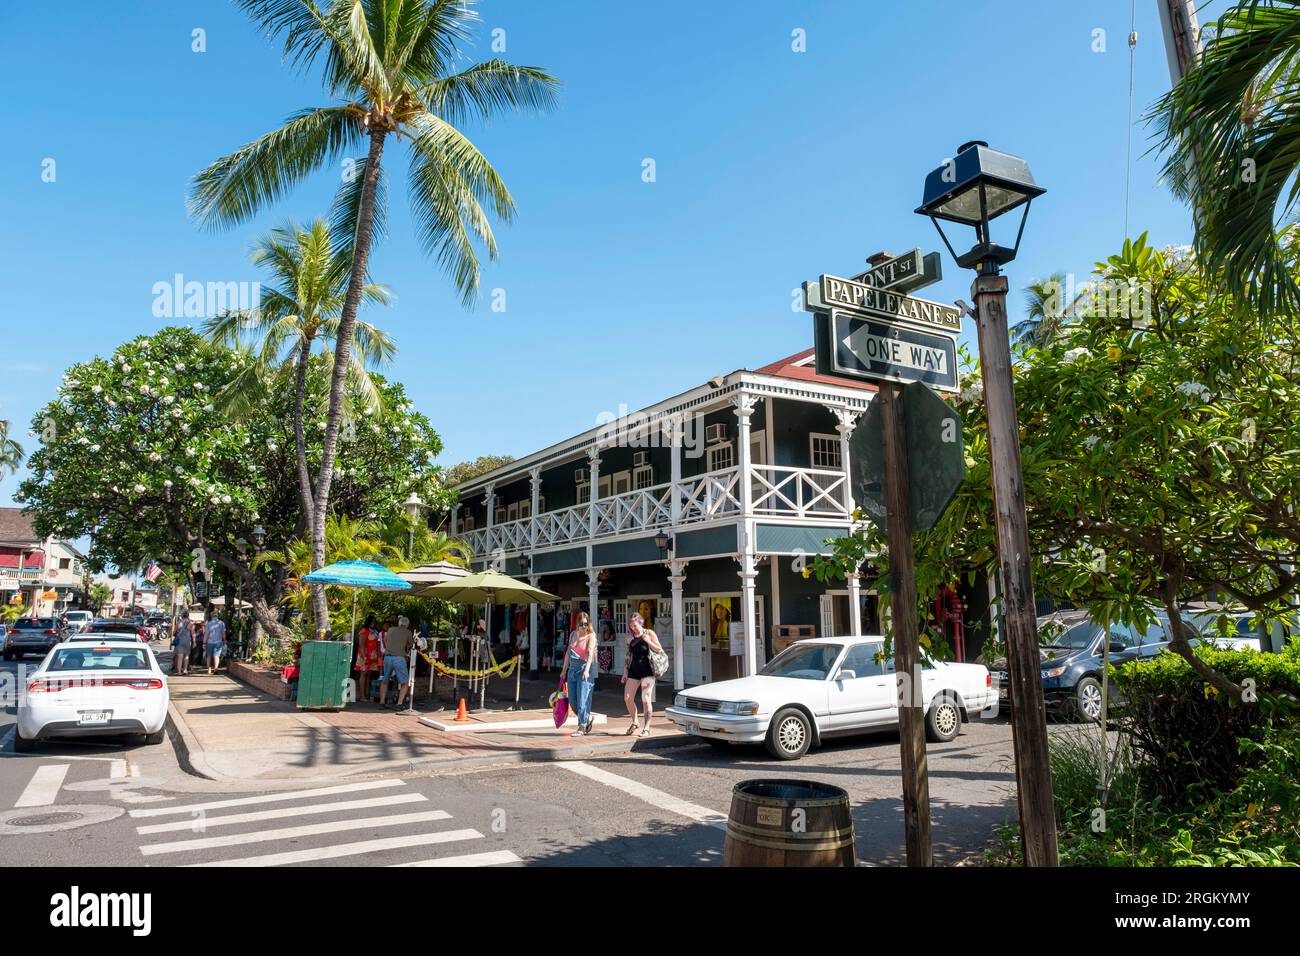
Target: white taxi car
x,y
85,688
826,687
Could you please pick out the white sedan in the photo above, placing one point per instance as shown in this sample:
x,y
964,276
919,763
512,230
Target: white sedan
x,y
82,688
826,687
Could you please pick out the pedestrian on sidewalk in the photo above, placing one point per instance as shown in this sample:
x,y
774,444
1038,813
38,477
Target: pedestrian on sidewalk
x,y
196,658
214,639
638,672
369,660
397,643
182,644
582,682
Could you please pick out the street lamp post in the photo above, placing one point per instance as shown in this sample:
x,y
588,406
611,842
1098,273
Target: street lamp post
x,y
973,188
412,505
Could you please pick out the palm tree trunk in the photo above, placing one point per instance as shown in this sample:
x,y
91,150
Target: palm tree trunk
x,y
304,476
342,355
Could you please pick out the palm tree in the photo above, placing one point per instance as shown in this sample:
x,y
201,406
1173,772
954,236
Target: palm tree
x,y
392,65
302,307
11,453
1232,147
1046,312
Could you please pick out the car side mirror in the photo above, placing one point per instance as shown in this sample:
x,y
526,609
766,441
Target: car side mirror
x,y
1117,647
846,674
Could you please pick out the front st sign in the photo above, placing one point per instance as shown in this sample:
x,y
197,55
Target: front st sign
x,y
878,351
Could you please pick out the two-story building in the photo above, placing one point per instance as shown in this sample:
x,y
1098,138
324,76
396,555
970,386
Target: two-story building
x,y
699,512
42,575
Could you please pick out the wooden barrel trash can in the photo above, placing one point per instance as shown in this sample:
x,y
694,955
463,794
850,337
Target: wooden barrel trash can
x,y
788,823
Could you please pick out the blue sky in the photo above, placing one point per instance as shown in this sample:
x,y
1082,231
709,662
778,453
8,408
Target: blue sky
x,y
771,165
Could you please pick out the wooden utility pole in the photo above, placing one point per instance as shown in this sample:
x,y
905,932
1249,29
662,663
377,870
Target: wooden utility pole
x,y
1182,36
1028,717
902,604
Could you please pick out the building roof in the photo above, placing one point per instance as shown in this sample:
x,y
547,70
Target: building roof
x,y
16,528
801,366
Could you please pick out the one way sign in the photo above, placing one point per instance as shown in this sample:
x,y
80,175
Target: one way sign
x,y
881,351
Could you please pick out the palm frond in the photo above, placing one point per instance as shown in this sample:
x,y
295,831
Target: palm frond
x,y
236,187
488,88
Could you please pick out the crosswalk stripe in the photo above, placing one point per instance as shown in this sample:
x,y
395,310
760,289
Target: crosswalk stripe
x,y
270,798
494,858
349,849
290,833
650,795
201,824
43,789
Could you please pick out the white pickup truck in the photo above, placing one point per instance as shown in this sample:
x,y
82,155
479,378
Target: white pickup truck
x,y
825,687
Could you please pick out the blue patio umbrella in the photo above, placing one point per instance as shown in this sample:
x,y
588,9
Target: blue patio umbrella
x,y
357,574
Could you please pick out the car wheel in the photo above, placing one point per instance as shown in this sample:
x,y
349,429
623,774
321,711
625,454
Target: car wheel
x,y
22,745
789,735
943,722
1087,699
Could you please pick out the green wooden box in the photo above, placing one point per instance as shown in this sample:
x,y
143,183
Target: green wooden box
x,y
323,675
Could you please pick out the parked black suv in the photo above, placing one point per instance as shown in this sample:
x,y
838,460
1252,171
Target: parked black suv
x,y
1071,660
30,635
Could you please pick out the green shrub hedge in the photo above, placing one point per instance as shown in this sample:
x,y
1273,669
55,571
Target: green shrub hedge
x,y
1187,734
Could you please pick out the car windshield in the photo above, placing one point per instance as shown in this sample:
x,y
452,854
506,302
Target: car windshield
x,y
1079,636
97,659
805,661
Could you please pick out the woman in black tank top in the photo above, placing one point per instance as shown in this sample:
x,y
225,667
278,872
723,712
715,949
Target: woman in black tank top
x,y
638,672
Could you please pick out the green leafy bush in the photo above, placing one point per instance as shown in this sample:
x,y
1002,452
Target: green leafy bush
x,y
1187,734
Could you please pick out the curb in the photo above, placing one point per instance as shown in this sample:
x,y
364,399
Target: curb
x,y
189,755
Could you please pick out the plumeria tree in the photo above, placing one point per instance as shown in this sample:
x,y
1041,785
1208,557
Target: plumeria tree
x,y
1160,432
136,450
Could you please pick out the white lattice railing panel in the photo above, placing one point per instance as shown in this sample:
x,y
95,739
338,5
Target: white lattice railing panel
x,y
635,511
799,492
710,496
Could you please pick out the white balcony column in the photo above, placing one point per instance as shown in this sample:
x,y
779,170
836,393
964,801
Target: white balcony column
x,y
855,605
593,457
536,581
748,575
675,474
534,522
744,407
491,555
677,578
455,518
593,597
846,419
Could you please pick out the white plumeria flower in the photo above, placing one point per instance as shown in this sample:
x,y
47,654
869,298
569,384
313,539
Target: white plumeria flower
x,y
1073,355
190,452
163,381
153,455
168,399
176,413
272,446
83,440
139,489
216,500
185,427
94,448
96,389
110,403
1194,390
125,367
167,483
144,389
1090,441
225,499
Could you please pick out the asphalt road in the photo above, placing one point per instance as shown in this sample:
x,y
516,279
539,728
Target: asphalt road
x,y
116,802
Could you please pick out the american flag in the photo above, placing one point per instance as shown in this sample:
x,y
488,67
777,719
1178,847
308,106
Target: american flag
x,y
153,572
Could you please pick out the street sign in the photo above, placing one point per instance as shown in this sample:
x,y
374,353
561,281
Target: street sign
x,y
873,351
905,273
831,292
936,457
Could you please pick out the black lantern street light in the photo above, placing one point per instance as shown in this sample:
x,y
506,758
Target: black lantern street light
x,y
664,542
973,188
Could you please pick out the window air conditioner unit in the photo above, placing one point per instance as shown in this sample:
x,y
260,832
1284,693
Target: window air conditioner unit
x,y
716,432
640,458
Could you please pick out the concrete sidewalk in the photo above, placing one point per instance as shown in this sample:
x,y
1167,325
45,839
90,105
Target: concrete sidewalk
x,y
227,731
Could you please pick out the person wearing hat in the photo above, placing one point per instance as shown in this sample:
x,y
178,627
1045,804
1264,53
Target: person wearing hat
x,y
397,643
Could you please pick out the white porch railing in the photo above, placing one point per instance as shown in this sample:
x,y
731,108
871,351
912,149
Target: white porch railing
x,y
799,492
642,510
710,495
776,492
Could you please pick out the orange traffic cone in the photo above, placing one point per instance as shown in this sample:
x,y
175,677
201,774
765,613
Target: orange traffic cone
x,y
461,713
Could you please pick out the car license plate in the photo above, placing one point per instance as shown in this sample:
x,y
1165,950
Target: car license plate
x,y
95,716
